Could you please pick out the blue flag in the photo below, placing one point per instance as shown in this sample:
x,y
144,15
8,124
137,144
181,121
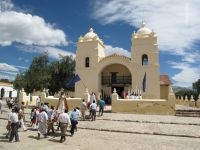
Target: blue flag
x,y
144,83
72,82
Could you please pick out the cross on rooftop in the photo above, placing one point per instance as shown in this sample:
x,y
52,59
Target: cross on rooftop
x,y
186,14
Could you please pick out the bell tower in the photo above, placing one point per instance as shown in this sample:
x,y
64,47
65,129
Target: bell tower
x,y
90,50
144,54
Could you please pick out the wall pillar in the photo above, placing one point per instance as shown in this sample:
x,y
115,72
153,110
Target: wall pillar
x,y
22,97
43,96
86,96
171,98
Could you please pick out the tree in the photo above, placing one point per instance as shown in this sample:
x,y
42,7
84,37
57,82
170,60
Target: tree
x,y
196,86
36,77
61,72
42,74
187,92
20,81
38,73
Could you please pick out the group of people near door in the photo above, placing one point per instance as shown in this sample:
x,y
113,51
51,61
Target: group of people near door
x,y
43,118
92,107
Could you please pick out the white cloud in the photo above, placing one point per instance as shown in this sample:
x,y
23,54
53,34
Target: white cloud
x,y
187,75
175,23
52,51
109,50
6,5
8,71
6,67
27,29
163,16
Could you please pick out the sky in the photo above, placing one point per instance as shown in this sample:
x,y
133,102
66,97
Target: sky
x,y
28,28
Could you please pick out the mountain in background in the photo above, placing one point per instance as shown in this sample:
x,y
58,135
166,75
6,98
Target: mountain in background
x,y
178,88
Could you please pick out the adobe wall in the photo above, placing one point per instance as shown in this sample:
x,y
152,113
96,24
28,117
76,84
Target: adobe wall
x,y
143,106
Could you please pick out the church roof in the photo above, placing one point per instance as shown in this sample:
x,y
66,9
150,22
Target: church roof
x,y
115,55
90,34
164,80
144,30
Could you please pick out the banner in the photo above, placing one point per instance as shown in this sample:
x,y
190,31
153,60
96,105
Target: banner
x,y
144,83
72,82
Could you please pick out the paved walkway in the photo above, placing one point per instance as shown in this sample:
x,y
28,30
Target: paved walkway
x,y
115,131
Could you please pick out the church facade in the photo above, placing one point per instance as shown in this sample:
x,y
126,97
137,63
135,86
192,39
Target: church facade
x,y
102,74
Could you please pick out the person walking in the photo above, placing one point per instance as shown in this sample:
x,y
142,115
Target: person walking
x,y
42,127
14,125
0,107
74,120
50,119
21,119
64,121
101,106
83,109
93,108
8,126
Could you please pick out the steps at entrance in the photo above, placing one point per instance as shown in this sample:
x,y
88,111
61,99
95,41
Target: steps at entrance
x,y
188,113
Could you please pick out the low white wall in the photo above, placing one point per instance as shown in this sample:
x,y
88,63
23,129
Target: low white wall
x,y
143,106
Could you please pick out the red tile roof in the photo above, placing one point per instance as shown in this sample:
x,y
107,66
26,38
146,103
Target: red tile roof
x,y
164,80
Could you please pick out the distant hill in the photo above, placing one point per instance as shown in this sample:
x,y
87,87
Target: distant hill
x,y
178,88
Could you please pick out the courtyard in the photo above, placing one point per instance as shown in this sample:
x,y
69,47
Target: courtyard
x,y
113,131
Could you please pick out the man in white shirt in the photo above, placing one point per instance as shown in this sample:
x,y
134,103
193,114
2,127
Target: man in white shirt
x,y
93,108
8,126
64,121
14,125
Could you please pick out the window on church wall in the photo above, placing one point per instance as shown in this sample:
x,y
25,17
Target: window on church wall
x,y
87,62
144,60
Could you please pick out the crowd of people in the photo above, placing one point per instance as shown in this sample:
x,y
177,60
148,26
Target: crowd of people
x,y
43,118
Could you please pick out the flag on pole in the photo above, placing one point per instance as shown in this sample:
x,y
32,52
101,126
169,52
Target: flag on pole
x,y
72,82
144,83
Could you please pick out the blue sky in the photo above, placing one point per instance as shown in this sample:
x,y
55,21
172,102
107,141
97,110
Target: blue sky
x,y
31,27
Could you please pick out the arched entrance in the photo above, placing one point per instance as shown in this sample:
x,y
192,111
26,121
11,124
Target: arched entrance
x,y
115,76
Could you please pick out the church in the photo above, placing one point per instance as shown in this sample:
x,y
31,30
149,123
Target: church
x,y
139,72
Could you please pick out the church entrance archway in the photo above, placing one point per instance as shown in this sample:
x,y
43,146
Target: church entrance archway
x,y
115,76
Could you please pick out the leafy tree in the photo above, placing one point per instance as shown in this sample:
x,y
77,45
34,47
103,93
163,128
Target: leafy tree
x,y
38,73
19,82
36,77
196,86
42,74
187,92
61,72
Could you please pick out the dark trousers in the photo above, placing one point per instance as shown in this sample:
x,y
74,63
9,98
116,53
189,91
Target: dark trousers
x,y
93,114
14,132
74,123
101,109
